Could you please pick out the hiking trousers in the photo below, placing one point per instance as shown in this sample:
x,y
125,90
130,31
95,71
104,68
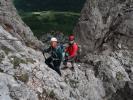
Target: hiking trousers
x,y
72,61
54,64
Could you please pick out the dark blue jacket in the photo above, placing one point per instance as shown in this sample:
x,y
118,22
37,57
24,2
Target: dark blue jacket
x,y
56,53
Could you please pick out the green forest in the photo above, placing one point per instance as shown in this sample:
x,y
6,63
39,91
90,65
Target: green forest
x,y
43,16
56,5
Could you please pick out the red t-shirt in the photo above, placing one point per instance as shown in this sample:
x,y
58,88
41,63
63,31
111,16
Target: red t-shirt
x,y
72,50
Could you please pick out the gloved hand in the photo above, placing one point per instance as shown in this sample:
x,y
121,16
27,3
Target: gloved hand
x,y
66,54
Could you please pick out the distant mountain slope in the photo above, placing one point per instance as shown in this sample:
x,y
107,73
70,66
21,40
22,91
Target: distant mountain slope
x,y
46,21
58,15
57,5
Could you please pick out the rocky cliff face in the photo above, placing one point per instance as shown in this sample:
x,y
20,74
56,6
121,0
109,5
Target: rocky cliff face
x,y
104,76
105,32
12,22
106,24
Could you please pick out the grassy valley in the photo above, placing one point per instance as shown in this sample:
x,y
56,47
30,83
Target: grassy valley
x,y
46,21
43,16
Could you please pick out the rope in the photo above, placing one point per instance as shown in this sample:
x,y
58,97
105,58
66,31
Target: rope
x,y
9,39
3,38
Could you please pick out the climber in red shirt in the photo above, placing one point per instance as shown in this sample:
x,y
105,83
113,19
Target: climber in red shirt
x,y
71,51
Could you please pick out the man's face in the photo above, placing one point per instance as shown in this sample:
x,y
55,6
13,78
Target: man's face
x,y
54,44
71,42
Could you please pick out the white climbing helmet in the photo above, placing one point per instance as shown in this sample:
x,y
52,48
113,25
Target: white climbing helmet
x,y
53,39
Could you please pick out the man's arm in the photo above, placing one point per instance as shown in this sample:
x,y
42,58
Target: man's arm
x,y
47,50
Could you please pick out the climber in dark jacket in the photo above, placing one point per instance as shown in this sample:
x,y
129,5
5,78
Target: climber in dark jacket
x,y
55,59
